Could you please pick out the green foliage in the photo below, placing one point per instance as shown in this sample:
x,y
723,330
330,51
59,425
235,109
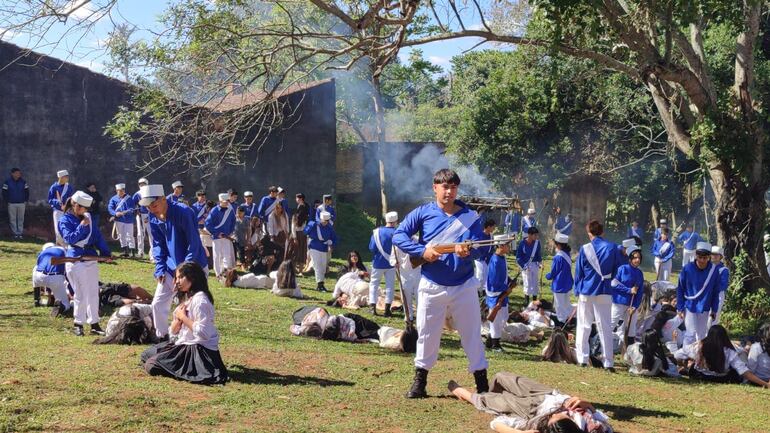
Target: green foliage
x,y
745,309
358,226
410,85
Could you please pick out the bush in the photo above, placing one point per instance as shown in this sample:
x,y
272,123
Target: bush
x,y
744,310
354,229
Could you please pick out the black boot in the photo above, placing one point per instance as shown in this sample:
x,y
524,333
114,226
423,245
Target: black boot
x,y
133,253
125,252
373,309
36,295
387,311
488,342
482,384
526,301
496,345
78,330
534,298
420,382
321,287
96,329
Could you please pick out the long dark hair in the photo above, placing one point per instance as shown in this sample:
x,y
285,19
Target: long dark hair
x,y
198,280
557,349
360,265
563,247
651,349
712,354
763,336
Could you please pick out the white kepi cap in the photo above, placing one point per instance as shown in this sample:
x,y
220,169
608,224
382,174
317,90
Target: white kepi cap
x,y
82,199
631,249
391,217
628,243
325,216
503,237
663,221
248,194
716,249
62,173
280,189
703,247
143,181
150,193
48,245
531,211
119,186
224,197
176,184
561,238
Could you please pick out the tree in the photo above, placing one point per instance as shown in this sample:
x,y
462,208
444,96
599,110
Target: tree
x,y
707,69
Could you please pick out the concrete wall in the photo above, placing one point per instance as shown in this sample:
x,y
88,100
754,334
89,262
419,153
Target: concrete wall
x,y
52,116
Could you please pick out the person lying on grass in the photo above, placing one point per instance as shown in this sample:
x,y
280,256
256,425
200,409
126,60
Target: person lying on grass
x,y
194,355
715,359
523,405
352,288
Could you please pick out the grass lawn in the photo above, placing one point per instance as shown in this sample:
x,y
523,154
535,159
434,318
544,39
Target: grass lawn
x,y
53,381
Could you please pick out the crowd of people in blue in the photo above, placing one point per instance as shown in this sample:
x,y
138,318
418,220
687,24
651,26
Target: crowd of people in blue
x,y
450,262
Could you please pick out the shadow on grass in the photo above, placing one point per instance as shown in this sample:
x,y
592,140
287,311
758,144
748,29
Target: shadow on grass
x,y
628,413
248,375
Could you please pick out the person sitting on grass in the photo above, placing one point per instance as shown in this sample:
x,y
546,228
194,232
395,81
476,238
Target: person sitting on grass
x,y
194,355
759,354
523,405
715,359
648,357
351,289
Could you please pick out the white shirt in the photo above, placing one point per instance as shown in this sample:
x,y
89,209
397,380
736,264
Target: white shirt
x,y
732,359
276,225
201,311
759,362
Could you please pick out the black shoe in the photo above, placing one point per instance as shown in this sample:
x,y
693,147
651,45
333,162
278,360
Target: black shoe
x,y
418,386
96,329
482,384
57,309
373,309
526,301
496,347
388,313
488,342
584,365
78,331
133,253
125,252
609,369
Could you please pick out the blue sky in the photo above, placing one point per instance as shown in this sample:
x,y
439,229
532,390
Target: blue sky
x,y
86,48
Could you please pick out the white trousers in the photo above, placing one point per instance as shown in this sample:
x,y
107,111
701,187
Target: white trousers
x,y
374,285
598,309
696,327
16,217
620,313
224,255
410,280
125,234
719,311
56,283
529,280
57,214
143,232
562,306
84,279
496,327
687,256
462,304
665,269
320,259
481,268
206,240
161,304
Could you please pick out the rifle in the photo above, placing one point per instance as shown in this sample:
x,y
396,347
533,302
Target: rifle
x,y
450,248
499,305
62,260
627,324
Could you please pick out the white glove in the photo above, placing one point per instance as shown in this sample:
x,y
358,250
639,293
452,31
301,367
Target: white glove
x,y
329,243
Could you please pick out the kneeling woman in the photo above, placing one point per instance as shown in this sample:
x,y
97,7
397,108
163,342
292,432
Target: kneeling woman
x,y
194,356
523,405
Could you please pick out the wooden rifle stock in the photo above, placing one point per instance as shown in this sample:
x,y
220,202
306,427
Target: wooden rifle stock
x,y
499,305
443,249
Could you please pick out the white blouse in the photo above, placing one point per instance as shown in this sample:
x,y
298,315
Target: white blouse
x,y
277,224
759,362
201,311
732,359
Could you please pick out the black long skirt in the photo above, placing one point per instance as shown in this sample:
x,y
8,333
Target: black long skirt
x,y
190,362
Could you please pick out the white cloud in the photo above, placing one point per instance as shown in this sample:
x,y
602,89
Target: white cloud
x,y
477,26
437,60
79,10
6,34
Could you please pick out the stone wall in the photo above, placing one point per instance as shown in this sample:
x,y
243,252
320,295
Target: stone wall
x,y
52,117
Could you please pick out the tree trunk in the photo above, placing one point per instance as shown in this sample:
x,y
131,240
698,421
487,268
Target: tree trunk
x,y
740,221
379,112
